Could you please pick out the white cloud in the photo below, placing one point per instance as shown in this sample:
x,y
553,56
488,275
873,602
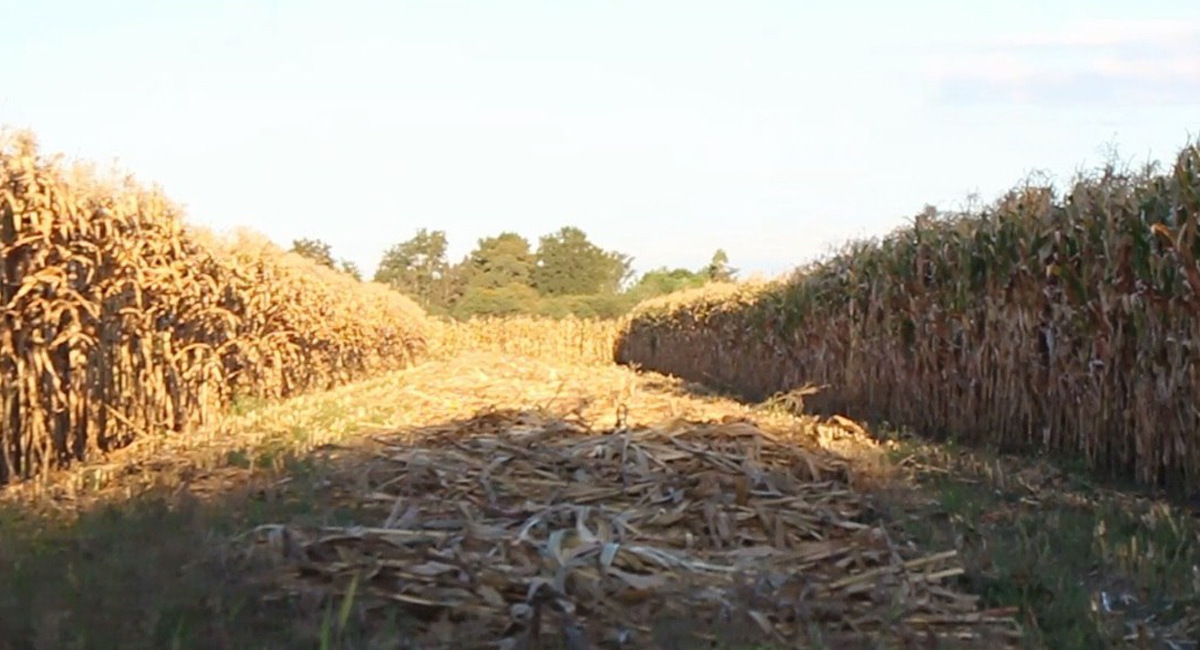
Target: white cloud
x,y
1137,62
1108,33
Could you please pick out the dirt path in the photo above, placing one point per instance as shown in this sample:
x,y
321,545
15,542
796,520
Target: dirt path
x,y
486,497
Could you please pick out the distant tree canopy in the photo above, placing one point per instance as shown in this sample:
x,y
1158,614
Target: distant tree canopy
x,y
417,267
663,281
500,261
351,269
504,275
508,300
718,270
315,250
570,265
322,253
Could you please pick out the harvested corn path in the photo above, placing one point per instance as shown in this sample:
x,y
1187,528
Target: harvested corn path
x,y
605,509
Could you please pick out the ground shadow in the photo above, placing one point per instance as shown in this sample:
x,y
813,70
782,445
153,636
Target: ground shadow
x,y
800,401
1081,554
163,566
166,567
158,569
163,562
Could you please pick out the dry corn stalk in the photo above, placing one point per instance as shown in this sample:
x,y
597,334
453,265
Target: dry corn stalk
x,y
1044,322
118,321
515,527
566,340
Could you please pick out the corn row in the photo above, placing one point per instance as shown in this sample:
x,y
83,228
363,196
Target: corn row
x,y
119,321
567,340
1052,323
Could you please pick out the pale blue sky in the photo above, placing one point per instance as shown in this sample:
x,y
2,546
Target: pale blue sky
x,y
663,129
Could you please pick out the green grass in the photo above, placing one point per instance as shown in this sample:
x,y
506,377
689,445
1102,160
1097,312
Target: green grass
x,y
154,572
1049,542
148,556
151,565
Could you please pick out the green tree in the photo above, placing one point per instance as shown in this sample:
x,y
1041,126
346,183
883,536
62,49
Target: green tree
x,y
500,261
718,270
570,265
322,253
663,281
418,268
315,250
351,269
497,301
453,285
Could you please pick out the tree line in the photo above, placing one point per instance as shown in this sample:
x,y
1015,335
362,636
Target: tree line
x,y
565,274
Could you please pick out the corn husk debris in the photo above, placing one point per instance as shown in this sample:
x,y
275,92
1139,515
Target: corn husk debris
x,y
515,527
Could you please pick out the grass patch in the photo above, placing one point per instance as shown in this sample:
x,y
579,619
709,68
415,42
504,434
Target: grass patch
x,y
156,571
143,552
1086,565
137,553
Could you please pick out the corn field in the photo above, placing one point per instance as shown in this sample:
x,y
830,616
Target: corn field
x,y
120,322
1043,322
567,340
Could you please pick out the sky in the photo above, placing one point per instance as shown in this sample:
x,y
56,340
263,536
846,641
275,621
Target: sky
x,y
663,129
